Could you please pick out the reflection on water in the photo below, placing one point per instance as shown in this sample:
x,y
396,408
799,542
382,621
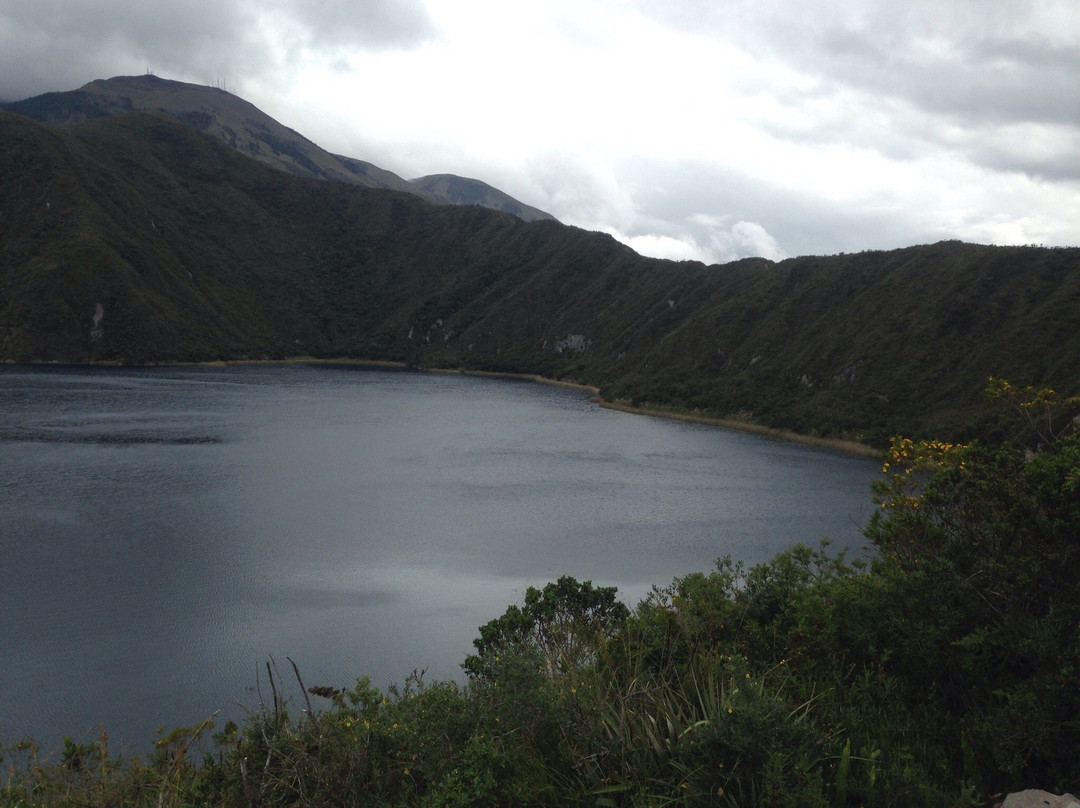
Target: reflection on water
x,y
167,531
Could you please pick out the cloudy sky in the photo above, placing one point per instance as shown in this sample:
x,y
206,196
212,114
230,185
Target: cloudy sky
x,y
703,129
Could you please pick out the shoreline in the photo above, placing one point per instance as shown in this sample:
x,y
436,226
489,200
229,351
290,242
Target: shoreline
x,y
837,444
850,447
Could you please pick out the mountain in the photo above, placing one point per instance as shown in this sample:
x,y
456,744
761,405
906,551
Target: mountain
x,y
138,239
249,130
464,191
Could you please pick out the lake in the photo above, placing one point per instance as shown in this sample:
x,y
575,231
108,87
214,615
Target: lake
x,y
165,532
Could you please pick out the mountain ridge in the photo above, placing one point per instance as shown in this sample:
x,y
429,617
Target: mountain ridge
x,y
248,129
137,239
464,191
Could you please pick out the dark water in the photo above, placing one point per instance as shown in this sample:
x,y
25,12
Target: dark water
x,y
166,532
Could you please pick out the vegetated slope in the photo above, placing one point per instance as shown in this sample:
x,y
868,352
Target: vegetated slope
x,y
134,238
464,191
251,131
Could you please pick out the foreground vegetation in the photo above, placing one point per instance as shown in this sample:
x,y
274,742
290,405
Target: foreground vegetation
x,y
941,674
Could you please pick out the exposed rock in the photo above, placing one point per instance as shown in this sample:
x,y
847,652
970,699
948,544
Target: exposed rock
x,y
847,375
573,342
96,330
1033,798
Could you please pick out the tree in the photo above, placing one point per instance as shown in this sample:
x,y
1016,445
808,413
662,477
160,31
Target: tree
x,y
564,625
983,546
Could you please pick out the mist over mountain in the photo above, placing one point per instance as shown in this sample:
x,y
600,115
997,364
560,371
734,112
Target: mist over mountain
x,y
139,236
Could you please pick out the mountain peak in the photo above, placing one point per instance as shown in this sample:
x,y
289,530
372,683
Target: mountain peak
x,y
249,130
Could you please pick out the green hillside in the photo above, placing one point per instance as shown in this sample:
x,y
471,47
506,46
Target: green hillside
x,y
134,238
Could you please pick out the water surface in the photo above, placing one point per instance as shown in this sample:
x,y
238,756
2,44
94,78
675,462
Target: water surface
x,y
165,532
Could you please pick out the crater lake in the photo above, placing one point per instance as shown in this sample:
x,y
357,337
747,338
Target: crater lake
x,y
168,531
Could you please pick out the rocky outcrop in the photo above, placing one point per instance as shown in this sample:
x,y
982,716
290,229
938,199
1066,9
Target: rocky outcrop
x,y
1033,798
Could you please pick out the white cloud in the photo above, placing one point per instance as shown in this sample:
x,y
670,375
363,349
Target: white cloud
x,y
582,189
672,248
706,238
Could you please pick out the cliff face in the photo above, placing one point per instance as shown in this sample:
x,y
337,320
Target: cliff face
x,y
135,238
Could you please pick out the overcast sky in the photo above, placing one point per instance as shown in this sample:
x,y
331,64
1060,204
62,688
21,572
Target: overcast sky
x,y
704,129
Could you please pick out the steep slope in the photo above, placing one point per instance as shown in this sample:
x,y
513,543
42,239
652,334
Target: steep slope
x,y
242,126
133,238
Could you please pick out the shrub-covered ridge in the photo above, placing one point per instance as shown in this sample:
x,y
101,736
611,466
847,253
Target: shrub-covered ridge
x,y
136,239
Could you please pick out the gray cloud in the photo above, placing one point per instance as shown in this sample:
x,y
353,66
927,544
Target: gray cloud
x,y
927,65
1058,163
950,55
57,45
379,24
48,45
978,81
